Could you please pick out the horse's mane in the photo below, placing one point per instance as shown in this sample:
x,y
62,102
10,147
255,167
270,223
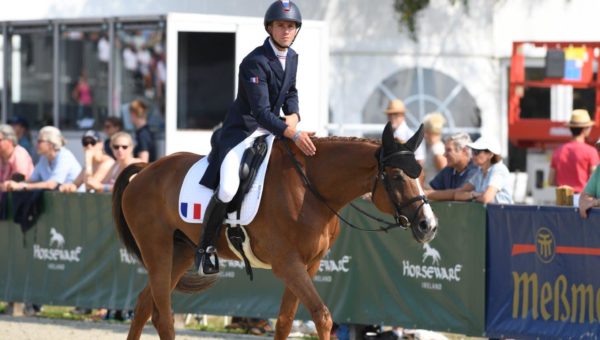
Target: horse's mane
x,y
339,139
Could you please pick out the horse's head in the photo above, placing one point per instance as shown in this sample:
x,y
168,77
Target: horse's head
x,y
402,195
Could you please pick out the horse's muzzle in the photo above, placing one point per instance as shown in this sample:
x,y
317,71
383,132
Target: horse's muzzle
x,y
425,230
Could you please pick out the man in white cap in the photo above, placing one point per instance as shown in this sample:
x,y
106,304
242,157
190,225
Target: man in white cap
x,y
490,183
573,163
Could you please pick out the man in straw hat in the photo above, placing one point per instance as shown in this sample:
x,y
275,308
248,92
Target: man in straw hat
x,y
396,113
572,163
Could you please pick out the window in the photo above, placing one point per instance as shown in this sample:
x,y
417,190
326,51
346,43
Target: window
x,y
423,91
140,70
537,101
206,79
1,67
83,76
29,74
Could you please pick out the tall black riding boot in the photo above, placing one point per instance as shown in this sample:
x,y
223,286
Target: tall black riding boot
x,y
213,220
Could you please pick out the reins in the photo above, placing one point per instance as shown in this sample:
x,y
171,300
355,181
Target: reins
x,y
315,192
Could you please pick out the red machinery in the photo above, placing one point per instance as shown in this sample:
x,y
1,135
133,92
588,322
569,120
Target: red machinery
x,y
567,63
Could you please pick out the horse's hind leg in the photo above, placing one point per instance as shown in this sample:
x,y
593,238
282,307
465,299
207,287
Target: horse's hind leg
x,y
143,309
298,281
157,252
144,306
289,306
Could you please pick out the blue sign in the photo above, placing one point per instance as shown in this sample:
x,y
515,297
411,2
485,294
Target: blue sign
x,y
543,273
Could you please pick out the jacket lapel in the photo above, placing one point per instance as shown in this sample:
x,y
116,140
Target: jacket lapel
x,y
283,77
290,64
273,61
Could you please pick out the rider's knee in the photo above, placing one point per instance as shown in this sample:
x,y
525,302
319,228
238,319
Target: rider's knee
x,y
227,192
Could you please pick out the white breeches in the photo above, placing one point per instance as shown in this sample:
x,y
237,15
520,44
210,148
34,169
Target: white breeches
x,y
230,168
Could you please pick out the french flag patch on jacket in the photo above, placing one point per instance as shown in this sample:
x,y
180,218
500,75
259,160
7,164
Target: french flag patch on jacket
x,y
254,80
191,210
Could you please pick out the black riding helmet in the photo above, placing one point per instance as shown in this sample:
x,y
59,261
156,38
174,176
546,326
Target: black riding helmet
x,y
283,10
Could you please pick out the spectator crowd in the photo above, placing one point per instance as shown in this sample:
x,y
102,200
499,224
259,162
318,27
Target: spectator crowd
x,y
56,168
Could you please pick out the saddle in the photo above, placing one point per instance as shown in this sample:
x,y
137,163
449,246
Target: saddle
x,y
251,161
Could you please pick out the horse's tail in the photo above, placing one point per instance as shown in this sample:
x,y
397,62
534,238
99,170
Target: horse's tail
x,y
191,282
120,222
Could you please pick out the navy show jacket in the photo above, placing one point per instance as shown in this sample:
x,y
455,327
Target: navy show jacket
x,y
264,89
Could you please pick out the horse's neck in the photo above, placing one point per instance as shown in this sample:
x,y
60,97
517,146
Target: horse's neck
x,y
344,169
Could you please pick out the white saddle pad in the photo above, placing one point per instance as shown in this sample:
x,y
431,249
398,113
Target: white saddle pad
x,y
194,197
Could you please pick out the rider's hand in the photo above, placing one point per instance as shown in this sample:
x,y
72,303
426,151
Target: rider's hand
x,y
302,140
304,143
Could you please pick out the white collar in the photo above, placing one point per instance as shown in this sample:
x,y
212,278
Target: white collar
x,y
276,50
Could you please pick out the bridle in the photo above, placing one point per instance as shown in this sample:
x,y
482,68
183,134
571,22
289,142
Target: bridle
x,y
400,218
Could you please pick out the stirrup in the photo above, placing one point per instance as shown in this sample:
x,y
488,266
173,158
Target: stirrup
x,y
205,266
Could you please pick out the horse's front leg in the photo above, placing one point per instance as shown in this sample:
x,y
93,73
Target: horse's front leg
x,y
299,287
289,306
287,311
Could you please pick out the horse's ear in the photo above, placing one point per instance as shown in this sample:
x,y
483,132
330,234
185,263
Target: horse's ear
x,y
387,138
414,141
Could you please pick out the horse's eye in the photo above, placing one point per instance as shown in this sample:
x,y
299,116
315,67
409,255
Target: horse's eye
x,y
397,176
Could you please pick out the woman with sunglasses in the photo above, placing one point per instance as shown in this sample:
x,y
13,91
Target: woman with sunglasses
x,y
97,163
56,165
491,182
121,144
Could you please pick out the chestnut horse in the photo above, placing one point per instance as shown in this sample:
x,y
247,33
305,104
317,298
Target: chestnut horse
x,y
292,231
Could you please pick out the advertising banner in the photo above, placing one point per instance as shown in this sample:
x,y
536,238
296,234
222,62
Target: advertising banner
x,y
378,278
543,280
73,257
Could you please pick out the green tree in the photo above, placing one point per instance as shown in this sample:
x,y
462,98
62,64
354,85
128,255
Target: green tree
x,y
409,9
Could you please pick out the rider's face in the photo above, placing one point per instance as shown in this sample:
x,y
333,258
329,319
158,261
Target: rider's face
x,y
283,32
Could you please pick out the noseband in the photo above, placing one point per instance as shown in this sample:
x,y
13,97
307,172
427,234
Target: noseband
x,y
400,218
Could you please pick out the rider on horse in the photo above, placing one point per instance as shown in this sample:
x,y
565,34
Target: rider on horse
x,y
266,86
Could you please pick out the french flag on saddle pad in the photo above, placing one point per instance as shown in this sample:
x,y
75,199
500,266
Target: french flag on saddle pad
x,y
191,210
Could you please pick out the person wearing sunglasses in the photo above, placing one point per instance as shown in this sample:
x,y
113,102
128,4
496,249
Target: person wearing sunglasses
x,y
97,163
121,144
491,182
56,165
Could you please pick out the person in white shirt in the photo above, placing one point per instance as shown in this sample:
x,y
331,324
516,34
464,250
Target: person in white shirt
x,y
434,158
396,113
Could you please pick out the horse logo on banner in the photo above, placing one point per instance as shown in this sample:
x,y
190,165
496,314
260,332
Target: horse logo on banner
x,y
56,237
431,252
